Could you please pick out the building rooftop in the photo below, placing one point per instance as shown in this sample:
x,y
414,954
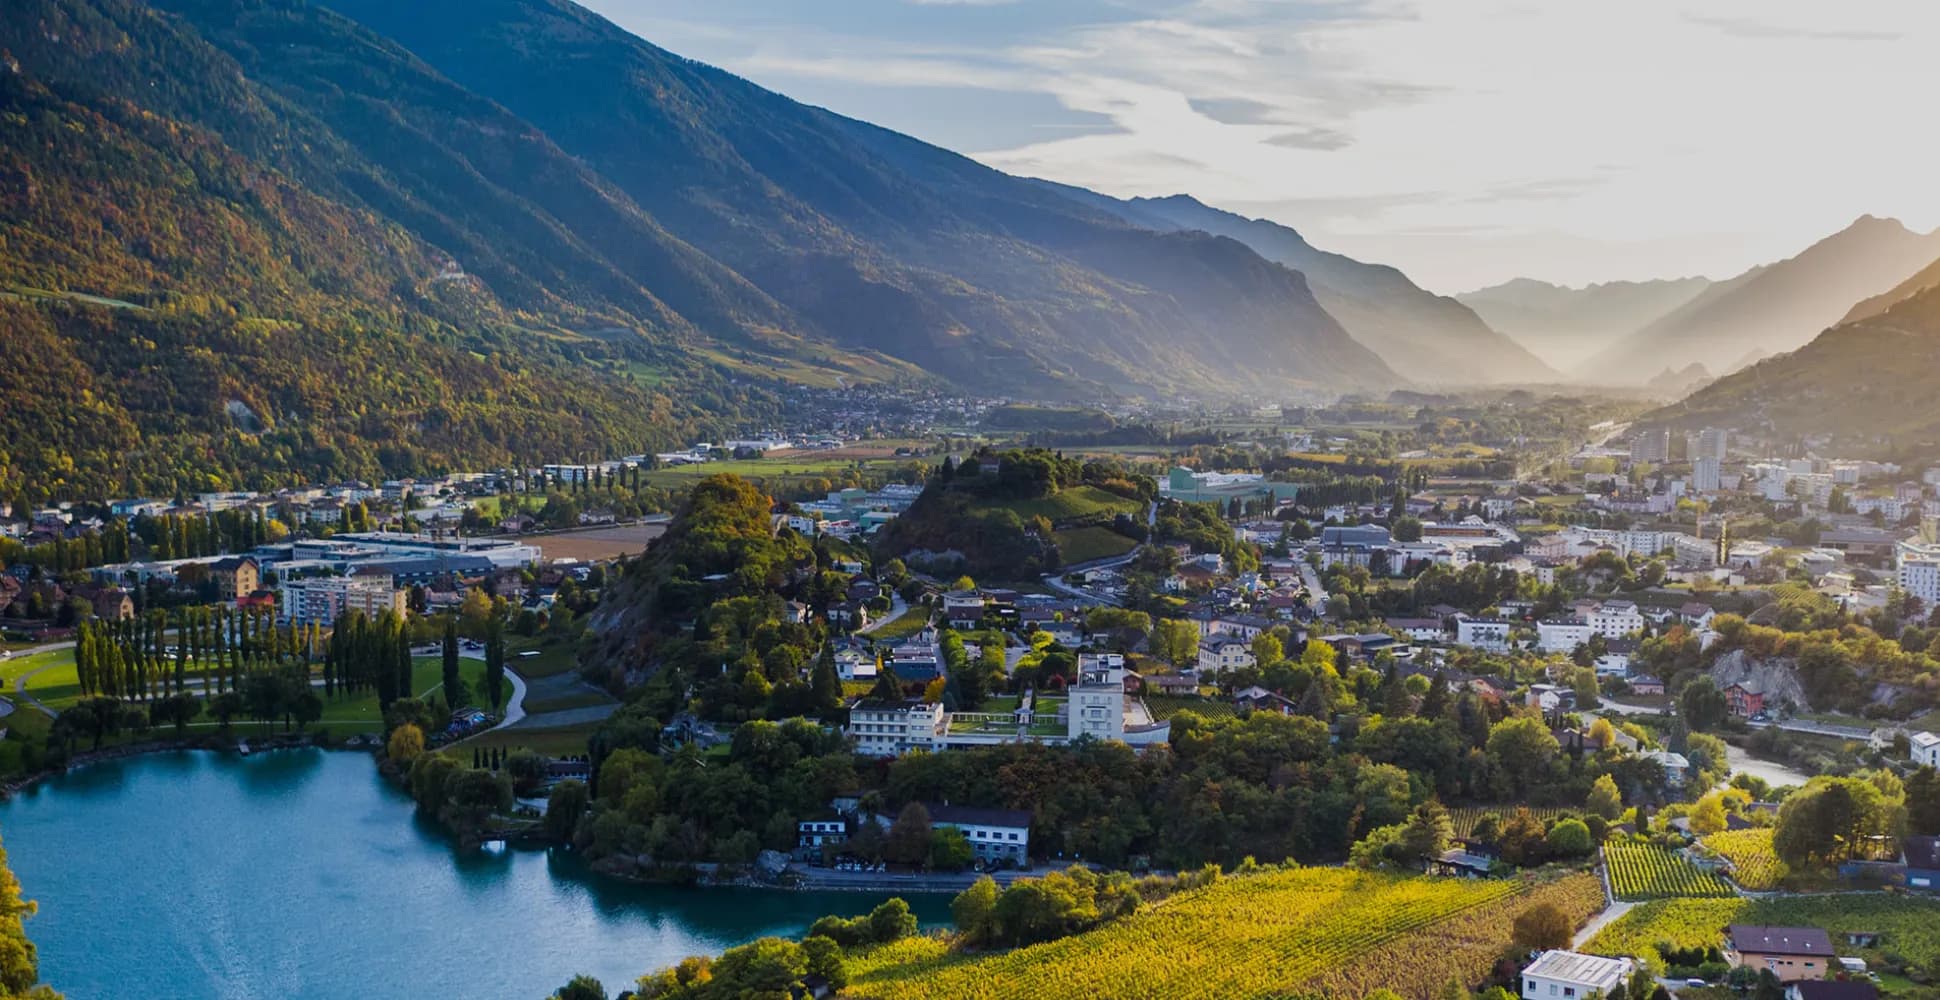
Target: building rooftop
x,y
1757,940
979,816
1571,966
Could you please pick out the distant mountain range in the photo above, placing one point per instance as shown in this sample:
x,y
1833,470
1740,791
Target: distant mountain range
x,y
1771,308
1425,337
1565,326
1864,387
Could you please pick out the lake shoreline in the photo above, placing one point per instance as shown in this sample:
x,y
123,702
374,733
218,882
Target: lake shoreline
x,y
210,744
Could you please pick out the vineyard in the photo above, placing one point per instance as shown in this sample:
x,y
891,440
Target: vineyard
x,y
1322,931
1753,863
1646,871
1909,928
1465,818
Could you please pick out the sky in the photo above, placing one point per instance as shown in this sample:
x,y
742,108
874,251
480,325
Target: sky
x,y
1464,141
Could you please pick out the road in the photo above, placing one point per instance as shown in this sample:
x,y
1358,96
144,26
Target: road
x,y
20,683
1055,581
1316,593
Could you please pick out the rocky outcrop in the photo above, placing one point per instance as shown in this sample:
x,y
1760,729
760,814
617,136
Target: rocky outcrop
x,y
1777,677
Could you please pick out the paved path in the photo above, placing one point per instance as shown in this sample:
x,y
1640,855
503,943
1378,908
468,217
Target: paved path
x,y
897,608
20,683
1055,581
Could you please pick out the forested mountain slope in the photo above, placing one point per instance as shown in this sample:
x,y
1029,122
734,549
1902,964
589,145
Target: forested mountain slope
x,y
1423,336
877,239
1867,386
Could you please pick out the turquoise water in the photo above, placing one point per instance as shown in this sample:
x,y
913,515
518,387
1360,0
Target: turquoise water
x,y
301,874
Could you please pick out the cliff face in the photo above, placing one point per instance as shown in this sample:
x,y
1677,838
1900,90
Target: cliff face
x,y
1777,677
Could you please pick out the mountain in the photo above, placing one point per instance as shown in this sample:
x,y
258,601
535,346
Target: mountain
x,y
1863,387
338,259
1923,279
1423,336
879,241
1775,307
1565,325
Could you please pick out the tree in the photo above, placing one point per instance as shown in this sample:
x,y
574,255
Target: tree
x,y
1707,817
1829,819
823,957
406,743
891,921
1427,833
1521,749
1569,838
949,850
1177,642
495,663
909,836
1605,800
19,962
1542,927
974,911
567,803
1923,801
1701,705
454,685
1267,650
581,988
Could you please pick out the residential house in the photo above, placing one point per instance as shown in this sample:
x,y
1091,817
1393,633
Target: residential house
x,y
1677,767
1616,619
1791,953
1419,629
1746,698
963,609
893,728
816,832
1645,684
113,605
1482,633
235,576
1697,614
1259,699
1925,749
995,835
1562,635
1568,975
1224,652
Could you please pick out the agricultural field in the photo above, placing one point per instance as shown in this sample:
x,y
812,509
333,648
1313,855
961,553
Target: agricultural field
x,y
1083,545
1074,503
1754,864
1325,931
1909,927
1646,871
1165,706
1464,818
596,544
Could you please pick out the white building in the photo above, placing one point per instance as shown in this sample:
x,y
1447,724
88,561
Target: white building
x,y
1616,619
1096,704
1917,564
1482,633
321,600
1926,749
1224,652
1562,635
1567,975
994,834
894,728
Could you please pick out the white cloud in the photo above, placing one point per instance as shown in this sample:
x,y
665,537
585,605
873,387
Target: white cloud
x,y
1574,140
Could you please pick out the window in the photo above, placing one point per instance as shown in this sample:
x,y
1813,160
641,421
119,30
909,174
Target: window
x,y
1569,991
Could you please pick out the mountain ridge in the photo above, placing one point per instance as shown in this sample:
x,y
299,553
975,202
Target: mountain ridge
x,y
1425,337
1773,307
1564,325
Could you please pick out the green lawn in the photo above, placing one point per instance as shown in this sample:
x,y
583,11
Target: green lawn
x,y
908,624
1082,545
554,658
561,742
571,699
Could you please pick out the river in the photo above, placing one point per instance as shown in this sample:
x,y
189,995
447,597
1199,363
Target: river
x,y
1775,773
302,874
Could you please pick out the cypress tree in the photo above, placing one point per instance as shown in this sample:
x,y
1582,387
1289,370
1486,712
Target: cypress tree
x,y
454,686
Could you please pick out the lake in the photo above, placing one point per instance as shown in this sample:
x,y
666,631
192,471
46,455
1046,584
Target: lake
x,y
301,873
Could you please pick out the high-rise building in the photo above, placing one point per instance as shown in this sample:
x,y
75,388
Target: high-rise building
x,y
1705,475
1651,446
1710,442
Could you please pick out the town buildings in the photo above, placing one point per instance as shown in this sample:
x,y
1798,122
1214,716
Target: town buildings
x,y
321,600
